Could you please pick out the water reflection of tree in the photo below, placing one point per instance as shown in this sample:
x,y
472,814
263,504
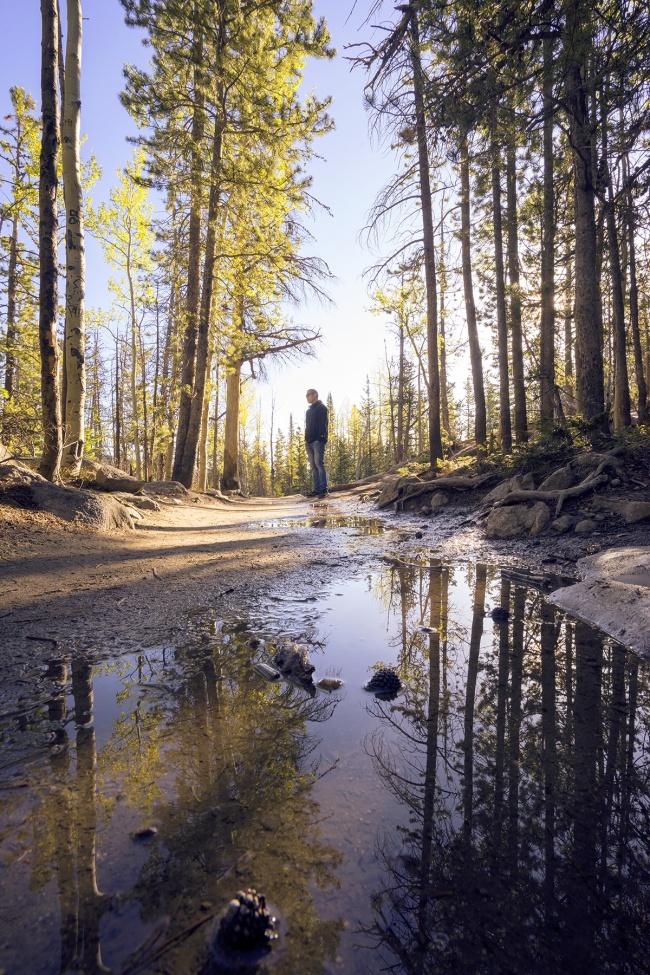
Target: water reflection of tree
x,y
224,768
525,774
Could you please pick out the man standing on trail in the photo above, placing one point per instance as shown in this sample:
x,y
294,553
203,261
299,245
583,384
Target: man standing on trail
x,y
315,441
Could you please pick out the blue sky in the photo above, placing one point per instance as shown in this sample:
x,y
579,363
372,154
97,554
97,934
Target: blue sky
x,y
346,180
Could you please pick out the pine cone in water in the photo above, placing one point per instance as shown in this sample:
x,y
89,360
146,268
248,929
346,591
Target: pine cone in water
x,y
384,681
247,924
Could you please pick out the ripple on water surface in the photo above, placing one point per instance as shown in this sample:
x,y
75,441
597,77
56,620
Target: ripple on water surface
x,y
491,818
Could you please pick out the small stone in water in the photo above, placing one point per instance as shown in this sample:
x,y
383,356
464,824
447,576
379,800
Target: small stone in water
x,y
329,683
145,833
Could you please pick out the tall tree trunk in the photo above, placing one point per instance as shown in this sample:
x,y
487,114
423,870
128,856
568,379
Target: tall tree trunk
x,y
12,318
442,275
203,438
480,414
134,382
642,389
230,480
188,372
48,269
622,415
569,385
505,425
590,383
516,331
547,316
435,437
117,413
185,469
75,285
400,454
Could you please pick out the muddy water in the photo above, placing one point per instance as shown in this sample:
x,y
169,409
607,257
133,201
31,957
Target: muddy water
x,y
493,818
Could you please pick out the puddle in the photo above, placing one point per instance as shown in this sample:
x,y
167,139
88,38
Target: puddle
x,y
361,526
493,818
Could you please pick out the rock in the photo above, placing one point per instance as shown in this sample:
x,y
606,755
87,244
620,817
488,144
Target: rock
x,y
517,519
267,672
614,595
146,833
24,488
113,479
585,526
292,659
520,482
173,489
329,683
631,511
562,524
438,500
138,501
559,480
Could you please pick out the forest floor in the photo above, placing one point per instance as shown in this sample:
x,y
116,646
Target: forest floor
x,y
65,590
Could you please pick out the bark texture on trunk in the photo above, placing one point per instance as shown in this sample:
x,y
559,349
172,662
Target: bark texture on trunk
x,y
190,446
590,384
480,413
435,436
547,317
188,372
48,269
230,478
516,331
75,288
505,423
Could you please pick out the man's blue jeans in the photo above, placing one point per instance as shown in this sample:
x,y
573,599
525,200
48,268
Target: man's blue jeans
x,y
316,455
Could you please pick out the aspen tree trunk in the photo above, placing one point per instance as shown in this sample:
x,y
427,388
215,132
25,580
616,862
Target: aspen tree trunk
x,y
215,432
435,438
12,322
516,332
203,439
48,270
134,382
590,383
117,413
547,317
400,453
642,389
75,368
505,427
145,418
230,480
480,415
192,300
444,397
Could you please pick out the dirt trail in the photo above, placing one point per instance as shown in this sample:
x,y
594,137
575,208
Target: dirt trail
x,y
63,589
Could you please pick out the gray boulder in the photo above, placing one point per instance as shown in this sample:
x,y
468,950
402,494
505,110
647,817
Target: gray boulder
x,y
169,489
517,519
559,480
631,511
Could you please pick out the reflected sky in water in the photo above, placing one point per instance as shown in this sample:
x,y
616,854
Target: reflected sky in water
x,y
491,819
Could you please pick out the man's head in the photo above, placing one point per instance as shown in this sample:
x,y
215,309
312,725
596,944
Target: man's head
x,y
312,396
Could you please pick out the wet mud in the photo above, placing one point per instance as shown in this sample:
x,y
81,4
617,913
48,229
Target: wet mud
x,y
491,818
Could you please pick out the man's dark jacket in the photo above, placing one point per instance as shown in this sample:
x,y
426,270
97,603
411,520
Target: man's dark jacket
x,y
316,422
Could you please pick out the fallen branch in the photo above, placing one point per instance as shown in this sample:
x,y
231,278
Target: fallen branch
x,y
411,491
371,479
